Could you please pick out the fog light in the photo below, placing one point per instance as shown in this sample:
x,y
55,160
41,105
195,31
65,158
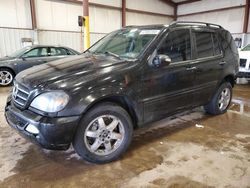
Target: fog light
x,y
32,129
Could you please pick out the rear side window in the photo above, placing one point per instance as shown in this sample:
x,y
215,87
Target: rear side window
x,y
217,50
57,52
177,46
69,52
204,44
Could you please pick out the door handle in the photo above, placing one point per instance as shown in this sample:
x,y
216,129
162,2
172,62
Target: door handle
x,y
222,63
191,68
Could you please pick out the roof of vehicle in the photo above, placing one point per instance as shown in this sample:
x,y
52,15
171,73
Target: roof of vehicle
x,y
39,45
178,24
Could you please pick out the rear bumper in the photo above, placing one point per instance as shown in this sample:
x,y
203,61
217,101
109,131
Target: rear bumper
x,y
243,75
54,133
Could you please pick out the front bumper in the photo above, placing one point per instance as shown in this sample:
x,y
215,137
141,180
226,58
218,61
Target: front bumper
x,y
54,133
243,75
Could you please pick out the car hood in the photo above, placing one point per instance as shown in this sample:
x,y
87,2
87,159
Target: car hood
x,y
69,72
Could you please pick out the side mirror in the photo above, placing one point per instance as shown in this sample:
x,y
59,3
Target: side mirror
x,y
23,58
161,60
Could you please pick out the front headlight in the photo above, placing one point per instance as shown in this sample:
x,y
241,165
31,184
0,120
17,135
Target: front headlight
x,y
50,102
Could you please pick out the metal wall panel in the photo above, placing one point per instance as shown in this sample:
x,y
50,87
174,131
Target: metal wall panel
x,y
15,13
205,5
58,15
10,40
69,39
103,20
116,3
151,6
145,19
231,20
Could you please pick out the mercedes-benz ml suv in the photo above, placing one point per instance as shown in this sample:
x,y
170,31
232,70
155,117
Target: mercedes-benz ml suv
x,y
133,76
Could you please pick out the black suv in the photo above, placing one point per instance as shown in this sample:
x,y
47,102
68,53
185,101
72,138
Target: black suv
x,y
131,77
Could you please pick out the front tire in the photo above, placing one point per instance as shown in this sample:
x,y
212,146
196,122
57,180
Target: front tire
x,y
221,100
104,133
6,77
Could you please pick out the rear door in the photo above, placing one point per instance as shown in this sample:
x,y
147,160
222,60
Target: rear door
x,y
168,88
208,63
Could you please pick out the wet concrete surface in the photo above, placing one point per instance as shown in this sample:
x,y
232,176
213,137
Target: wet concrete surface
x,y
191,149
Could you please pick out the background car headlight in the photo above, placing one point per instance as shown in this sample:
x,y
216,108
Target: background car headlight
x,y
53,101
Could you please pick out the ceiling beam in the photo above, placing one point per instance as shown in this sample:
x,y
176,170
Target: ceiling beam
x,y
169,2
187,2
33,14
246,16
213,10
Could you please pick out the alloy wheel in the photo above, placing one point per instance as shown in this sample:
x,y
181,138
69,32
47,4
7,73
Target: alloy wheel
x,y
5,78
224,99
104,135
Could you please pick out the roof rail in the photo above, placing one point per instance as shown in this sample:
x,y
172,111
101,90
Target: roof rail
x,y
194,23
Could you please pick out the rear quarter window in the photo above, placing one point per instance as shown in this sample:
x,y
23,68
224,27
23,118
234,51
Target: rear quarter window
x,y
204,44
217,50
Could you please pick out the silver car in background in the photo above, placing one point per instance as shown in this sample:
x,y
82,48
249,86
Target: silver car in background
x,y
28,57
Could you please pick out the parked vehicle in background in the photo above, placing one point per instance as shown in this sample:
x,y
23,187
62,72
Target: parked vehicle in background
x,y
244,69
28,57
131,77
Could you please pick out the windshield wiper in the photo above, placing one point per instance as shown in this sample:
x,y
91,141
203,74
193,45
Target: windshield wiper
x,y
112,54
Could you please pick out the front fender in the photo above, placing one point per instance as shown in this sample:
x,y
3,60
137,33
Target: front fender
x,y
117,91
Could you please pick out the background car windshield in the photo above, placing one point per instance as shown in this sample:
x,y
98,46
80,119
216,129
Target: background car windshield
x,y
127,43
19,52
246,48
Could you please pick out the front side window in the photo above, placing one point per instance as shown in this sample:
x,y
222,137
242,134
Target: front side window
x,y
125,43
177,46
204,44
36,52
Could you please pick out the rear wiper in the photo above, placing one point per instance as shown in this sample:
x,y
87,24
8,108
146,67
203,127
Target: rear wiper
x,y
112,54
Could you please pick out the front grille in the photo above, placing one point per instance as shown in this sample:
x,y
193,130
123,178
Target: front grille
x,y
20,95
243,62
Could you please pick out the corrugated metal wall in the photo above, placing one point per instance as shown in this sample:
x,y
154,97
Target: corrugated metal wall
x,y
70,39
10,40
57,21
232,20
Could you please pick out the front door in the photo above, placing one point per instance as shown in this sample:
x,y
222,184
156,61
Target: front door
x,y
168,88
35,56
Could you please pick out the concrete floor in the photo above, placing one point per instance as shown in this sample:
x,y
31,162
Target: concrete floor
x,y
174,152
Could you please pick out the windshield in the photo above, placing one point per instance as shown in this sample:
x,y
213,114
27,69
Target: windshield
x,y
19,52
246,48
125,43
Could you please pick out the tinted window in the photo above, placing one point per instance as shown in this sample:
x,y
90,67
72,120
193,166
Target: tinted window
x,y
204,44
177,46
217,50
69,52
61,51
36,52
58,52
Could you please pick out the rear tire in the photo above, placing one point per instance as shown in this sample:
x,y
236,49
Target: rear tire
x,y
6,77
104,133
221,100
